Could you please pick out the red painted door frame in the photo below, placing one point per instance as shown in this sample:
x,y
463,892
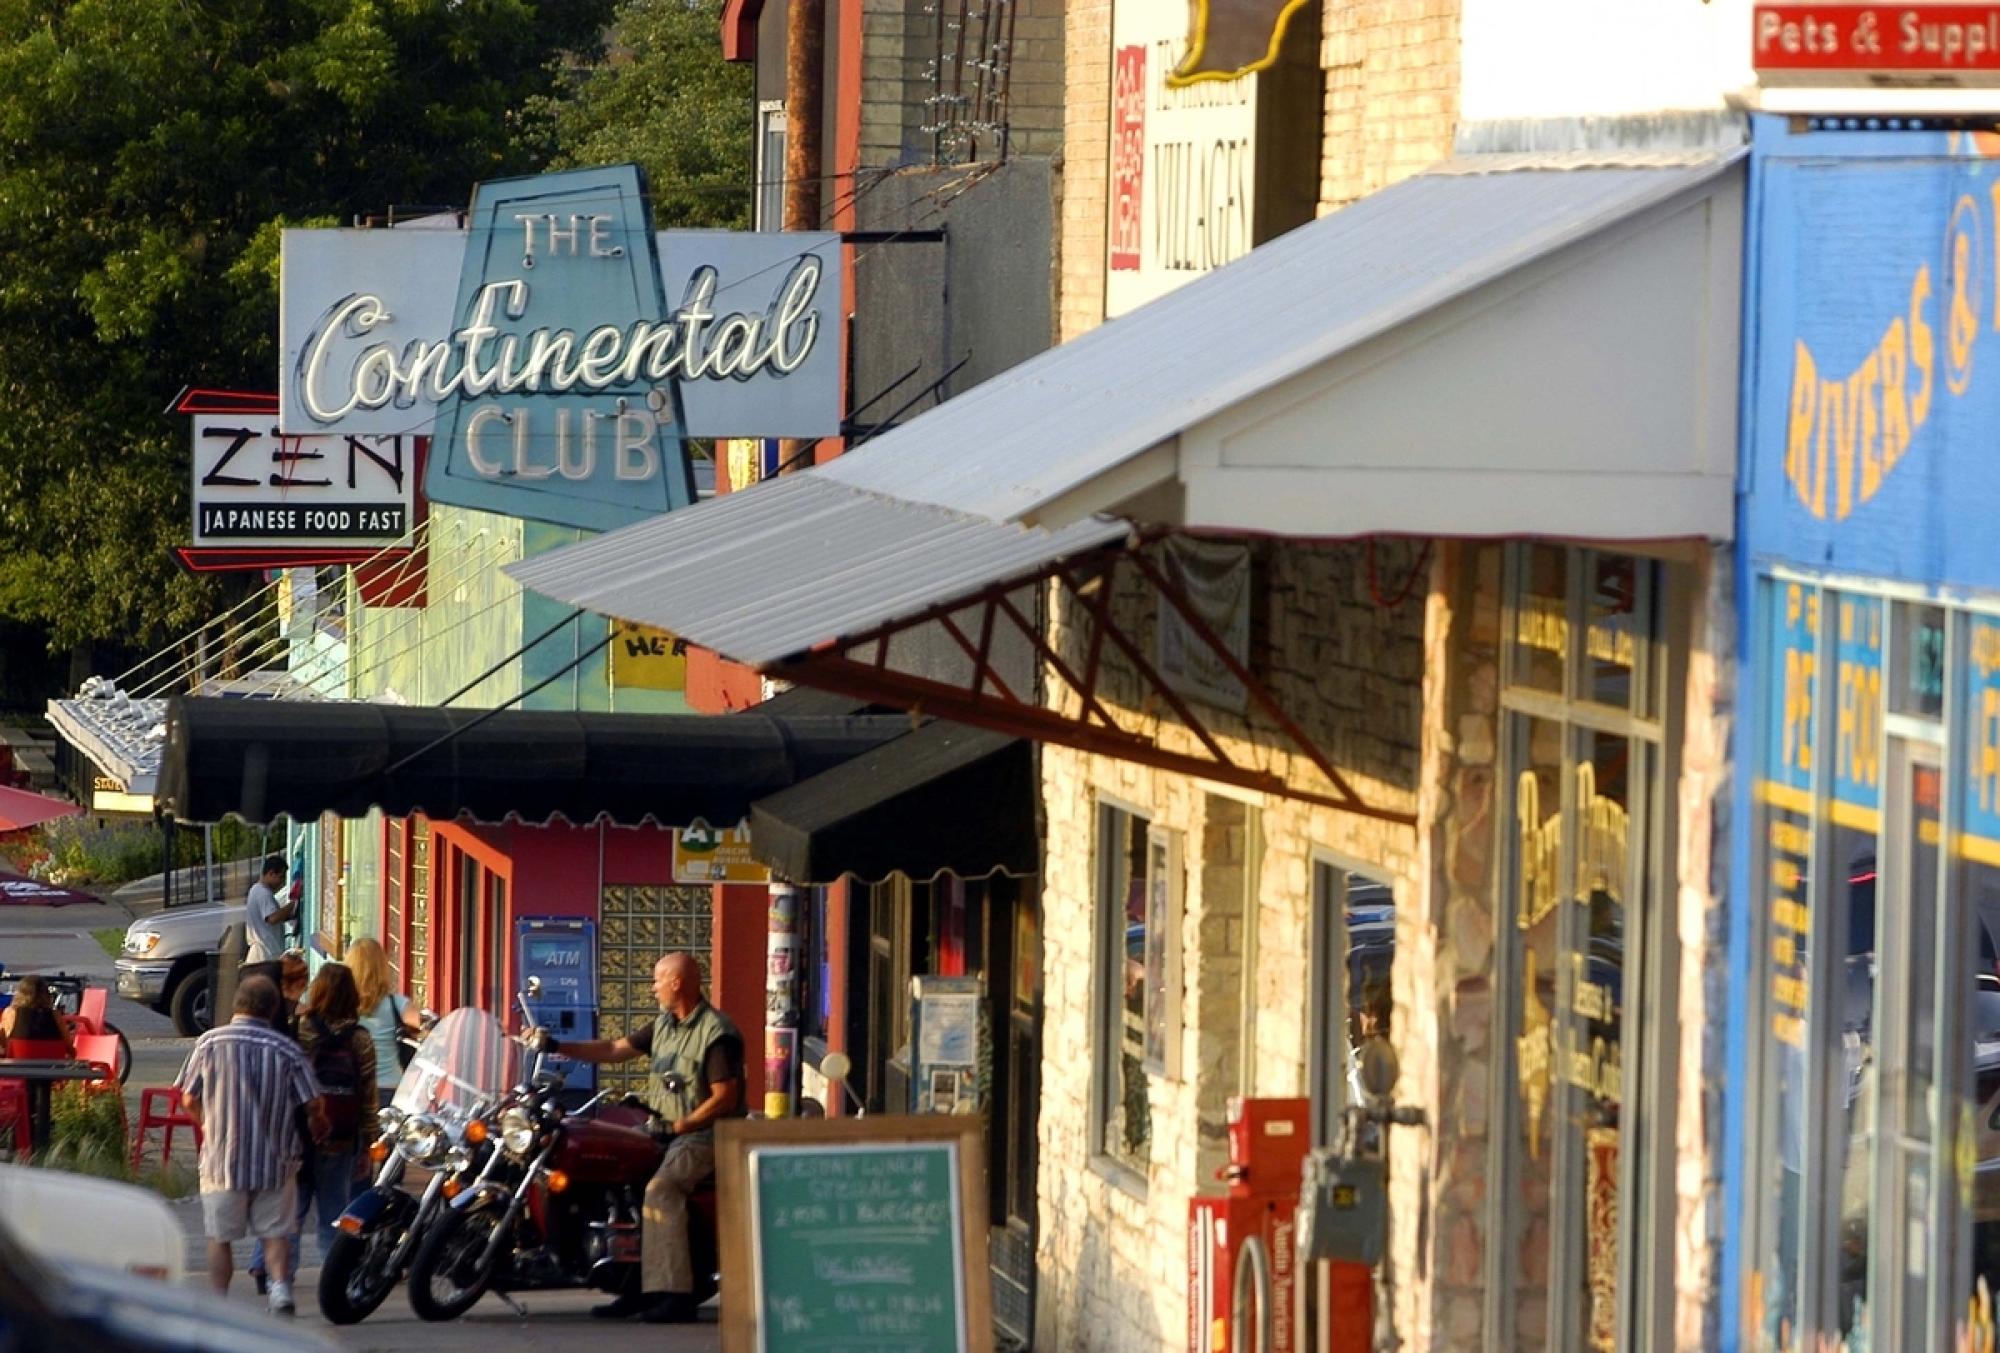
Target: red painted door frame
x,y
452,845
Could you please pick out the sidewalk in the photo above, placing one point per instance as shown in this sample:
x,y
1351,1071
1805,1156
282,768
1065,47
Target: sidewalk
x,y
553,1319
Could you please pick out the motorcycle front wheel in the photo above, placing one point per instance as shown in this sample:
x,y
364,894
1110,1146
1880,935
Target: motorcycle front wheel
x,y
357,1275
448,1275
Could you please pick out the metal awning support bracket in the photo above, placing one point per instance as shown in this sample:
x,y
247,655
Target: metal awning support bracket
x,y
858,666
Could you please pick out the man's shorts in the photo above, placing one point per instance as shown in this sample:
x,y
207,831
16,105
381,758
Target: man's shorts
x,y
234,1214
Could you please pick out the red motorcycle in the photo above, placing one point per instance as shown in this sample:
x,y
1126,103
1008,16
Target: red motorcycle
x,y
557,1205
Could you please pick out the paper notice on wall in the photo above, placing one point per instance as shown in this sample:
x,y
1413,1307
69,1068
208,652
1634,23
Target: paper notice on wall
x,y
1213,577
648,659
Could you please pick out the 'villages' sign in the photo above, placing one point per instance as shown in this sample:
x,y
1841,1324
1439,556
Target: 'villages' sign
x,y
1183,161
1829,44
254,487
562,381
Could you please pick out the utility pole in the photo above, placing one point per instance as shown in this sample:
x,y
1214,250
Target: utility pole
x,y
805,106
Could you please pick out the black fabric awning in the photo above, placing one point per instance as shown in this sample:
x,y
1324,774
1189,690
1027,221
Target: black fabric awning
x,y
945,798
259,758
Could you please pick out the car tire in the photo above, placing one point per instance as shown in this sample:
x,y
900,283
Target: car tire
x,y
191,1005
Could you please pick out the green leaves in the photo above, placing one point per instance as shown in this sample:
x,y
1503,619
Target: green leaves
x,y
668,101
150,152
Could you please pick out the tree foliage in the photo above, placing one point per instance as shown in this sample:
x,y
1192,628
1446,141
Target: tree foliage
x,y
666,99
149,152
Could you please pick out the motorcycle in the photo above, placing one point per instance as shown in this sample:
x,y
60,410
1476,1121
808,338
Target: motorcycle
x,y
461,1070
557,1205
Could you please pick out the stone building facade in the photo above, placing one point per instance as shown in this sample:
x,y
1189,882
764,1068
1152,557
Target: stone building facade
x,y
1397,666
1114,1234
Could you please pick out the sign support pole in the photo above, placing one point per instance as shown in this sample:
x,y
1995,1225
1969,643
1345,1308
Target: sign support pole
x,y
781,1001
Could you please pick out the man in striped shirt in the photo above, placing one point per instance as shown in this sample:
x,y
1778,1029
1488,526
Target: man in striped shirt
x,y
244,1083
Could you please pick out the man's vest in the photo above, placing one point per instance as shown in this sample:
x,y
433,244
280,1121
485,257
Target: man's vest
x,y
680,1064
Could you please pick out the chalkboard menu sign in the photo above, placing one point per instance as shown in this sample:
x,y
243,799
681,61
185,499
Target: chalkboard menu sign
x,y
853,1235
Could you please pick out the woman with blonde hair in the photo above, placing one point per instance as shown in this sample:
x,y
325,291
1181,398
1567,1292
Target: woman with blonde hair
x,y
384,1013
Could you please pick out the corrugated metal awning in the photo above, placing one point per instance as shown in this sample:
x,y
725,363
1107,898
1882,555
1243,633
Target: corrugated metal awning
x,y
769,572
1566,330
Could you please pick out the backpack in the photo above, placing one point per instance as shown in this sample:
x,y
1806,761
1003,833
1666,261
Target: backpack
x,y
338,1071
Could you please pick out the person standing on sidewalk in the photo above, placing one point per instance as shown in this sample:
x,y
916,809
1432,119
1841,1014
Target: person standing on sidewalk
x,y
343,1062
696,1060
385,1014
244,1084
264,917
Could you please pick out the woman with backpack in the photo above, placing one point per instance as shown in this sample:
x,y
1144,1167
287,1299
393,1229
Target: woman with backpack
x,y
343,1062
384,1013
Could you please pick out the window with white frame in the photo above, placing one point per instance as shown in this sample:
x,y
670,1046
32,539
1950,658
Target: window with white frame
x,y
770,197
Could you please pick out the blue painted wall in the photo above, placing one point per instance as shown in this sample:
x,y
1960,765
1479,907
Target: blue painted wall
x,y
1874,355
1871,404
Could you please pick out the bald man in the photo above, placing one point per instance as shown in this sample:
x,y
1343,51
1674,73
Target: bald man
x,y
697,1078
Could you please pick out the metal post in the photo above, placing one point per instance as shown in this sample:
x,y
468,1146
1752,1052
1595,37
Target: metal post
x,y
781,1001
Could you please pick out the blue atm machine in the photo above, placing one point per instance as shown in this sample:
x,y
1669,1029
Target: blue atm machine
x,y
562,951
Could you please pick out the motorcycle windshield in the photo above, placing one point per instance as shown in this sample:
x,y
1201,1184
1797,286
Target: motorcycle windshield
x,y
466,1061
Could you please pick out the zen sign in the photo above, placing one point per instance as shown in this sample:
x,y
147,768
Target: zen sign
x,y
254,487
1851,44
562,348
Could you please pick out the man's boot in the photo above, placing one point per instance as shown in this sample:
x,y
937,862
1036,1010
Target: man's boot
x,y
670,1308
629,1303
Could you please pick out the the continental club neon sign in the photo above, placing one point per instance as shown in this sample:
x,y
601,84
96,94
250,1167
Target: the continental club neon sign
x,y
695,342
562,382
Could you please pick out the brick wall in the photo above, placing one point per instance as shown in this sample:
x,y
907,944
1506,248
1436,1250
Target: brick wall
x,y
899,43
1112,1258
1086,142
1392,90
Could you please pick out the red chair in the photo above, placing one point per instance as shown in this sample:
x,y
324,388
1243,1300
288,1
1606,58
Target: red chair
x,y
104,1050
166,1119
93,1007
17,1117
38,1049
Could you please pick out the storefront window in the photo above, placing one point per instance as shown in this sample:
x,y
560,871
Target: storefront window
x,y
1877,1228
1789,757
1971,1026
1848,1036
1537,918
1613,637
1582,776
1607,766
1541,617
1124,1110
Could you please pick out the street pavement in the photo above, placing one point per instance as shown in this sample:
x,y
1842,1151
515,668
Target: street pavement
x,y
553,1320
59,939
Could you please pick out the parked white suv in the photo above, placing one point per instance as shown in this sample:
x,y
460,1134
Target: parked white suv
x,y
165,963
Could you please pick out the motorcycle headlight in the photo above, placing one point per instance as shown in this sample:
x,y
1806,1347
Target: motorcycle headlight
x,y
388,1118
420,1139
517,1131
